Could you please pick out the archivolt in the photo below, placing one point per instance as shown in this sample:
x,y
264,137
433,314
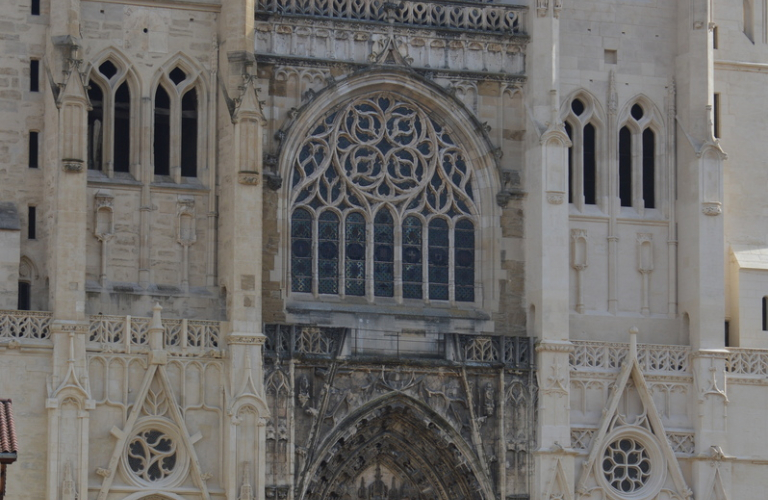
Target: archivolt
x,y
430,457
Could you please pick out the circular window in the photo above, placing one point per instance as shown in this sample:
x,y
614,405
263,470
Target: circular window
x,y
626,465
154,454
632,465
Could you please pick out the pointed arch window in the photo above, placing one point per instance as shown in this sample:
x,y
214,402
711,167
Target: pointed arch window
x,y
110,125
582,155
638,166
404,190
177,125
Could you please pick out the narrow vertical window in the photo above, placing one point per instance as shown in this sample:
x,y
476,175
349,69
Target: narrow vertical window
x,y
412,259
31,223
34,75
25,296
162,134
649,167
354,265
464,267
301,251
625,167
122,129
569,131
438,259
95,126
189,134
35,8
714,37
748,19
383,254
589,165
328,253
716,116
765,314
33,149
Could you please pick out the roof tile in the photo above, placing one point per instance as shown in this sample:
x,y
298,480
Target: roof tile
x,y
8,443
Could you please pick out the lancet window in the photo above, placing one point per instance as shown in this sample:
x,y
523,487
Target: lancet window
x,y
582,155
637,160
109,120
382,205
176,126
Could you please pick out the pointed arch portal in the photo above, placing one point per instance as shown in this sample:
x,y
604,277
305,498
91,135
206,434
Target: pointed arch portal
x,y
395,448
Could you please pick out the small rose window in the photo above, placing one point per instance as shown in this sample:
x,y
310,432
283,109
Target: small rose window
x,y
152,455
626,465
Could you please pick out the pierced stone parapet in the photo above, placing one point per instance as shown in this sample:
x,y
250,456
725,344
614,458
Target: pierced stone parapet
x,y
501,19
25,325
123,332
747,362
587,356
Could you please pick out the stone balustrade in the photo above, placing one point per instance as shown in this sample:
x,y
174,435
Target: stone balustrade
x,y
25,325
133,331
610,355
480,17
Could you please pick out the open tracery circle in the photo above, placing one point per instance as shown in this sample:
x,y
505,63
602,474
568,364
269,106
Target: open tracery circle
x,y
631,465
626,465
154,454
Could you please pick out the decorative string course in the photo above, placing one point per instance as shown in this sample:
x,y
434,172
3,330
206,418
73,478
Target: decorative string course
x,y
501,19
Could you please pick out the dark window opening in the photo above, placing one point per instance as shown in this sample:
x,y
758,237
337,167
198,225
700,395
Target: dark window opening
x,y
177,76
637,112
577,106
625,167
95,126
727,331
412,262
122,129
108,69
765,314
328,253
301,251
33,150
25,296
354,265
649,166
716,116
383,254
569,131
590,165
189,134
464,261
34,75
714,37
438,259
31,223
35,8
162,135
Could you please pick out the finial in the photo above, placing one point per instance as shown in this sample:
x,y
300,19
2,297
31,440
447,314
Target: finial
x,y
157,322
633,342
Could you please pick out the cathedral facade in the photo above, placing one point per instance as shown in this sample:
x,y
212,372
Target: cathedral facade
x,y
368,250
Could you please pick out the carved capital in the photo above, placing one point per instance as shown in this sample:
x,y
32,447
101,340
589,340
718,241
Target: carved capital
x,y
73,165
555,197
711,208
249,178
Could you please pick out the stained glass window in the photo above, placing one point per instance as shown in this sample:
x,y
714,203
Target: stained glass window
x,y
383,254
464,261
375,168
301,251
328,253
355,254
412,260
438,259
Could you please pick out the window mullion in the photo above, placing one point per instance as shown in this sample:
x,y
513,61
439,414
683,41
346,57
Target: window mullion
x,y
451,263
343,255
425,260
108,132
175,139
369,245
315,255
398,258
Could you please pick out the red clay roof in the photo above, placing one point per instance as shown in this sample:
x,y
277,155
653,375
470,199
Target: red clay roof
x,y
8,443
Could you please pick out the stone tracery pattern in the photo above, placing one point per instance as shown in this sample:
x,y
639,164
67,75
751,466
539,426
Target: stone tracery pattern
x,y
381,166
151,455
